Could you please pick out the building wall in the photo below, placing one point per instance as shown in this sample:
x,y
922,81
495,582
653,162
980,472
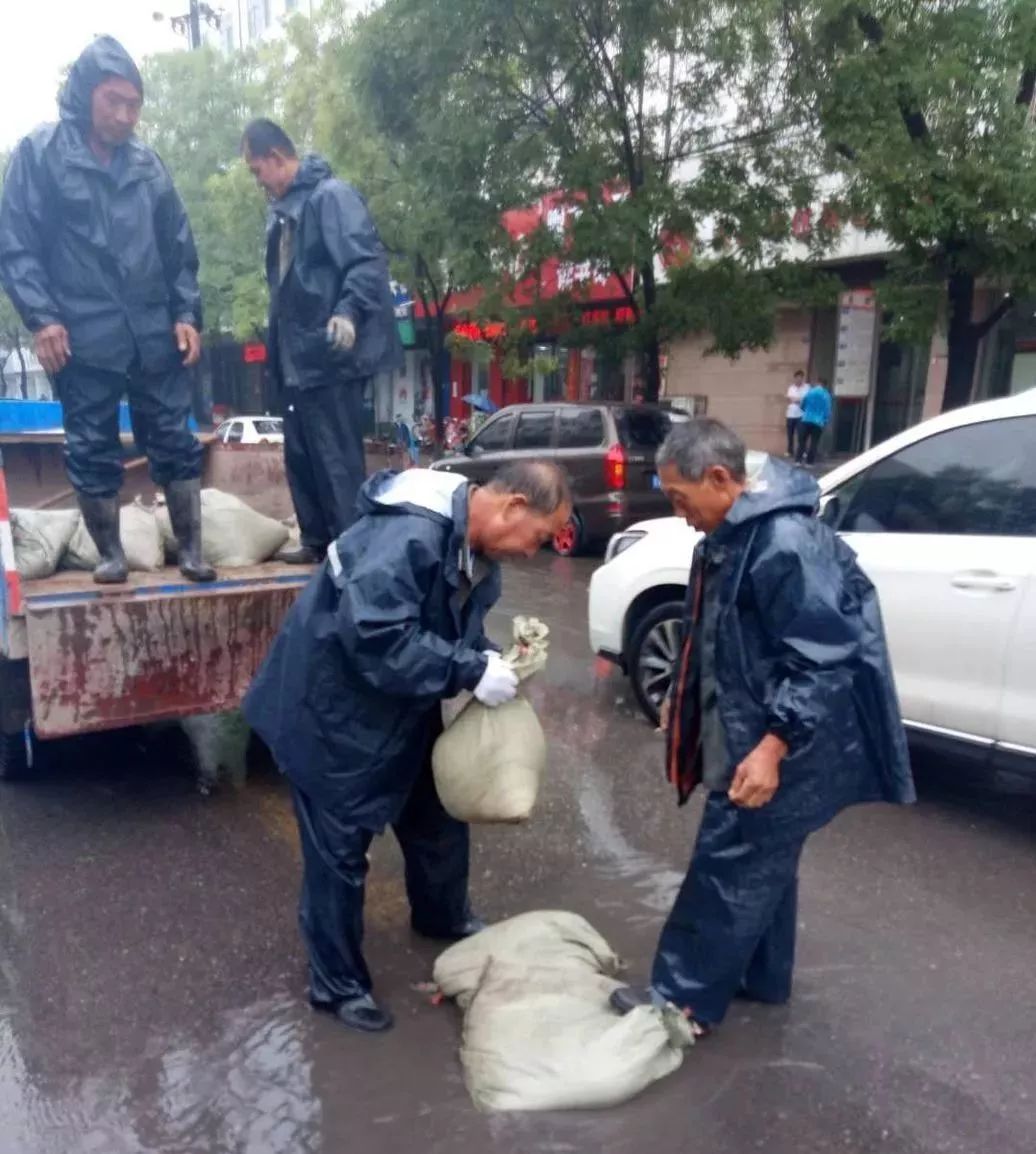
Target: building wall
x,y
747,393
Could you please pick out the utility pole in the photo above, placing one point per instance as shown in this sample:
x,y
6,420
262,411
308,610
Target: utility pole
x,y
189,24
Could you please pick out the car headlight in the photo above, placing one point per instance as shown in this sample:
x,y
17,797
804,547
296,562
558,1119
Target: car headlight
x,y
620,542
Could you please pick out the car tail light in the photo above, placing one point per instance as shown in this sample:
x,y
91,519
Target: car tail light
x,y
615,468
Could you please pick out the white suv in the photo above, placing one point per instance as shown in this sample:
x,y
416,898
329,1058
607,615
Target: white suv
x,y
943,520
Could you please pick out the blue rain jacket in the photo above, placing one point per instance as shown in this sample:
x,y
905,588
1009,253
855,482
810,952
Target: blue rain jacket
x,y
106,251
348,699
339,268
800,652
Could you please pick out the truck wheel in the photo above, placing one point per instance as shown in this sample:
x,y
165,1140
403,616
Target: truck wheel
x,y
16,755
653,651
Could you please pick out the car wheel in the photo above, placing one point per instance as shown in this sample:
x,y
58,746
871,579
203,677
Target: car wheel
x,y
569,539
653,651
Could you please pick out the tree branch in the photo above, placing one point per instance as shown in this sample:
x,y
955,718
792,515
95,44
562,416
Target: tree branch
x,y
983,328
913,117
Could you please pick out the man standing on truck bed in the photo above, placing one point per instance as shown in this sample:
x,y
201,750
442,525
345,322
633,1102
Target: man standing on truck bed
x,y
332,328
97,255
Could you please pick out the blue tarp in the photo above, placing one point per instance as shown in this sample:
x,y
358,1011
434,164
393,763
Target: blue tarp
x,y
45,417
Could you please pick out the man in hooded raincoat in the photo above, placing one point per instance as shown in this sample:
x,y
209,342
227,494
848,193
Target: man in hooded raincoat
x,y
97,255
349,700
332,328
783,707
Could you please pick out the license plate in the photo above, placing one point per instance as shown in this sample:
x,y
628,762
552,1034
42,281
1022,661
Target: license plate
x,y
656,481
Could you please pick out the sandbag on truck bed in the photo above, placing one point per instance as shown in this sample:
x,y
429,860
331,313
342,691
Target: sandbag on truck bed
x,y
41,537
233,534
140,536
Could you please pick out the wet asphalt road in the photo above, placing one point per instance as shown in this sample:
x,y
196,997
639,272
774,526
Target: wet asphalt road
x,y
151,980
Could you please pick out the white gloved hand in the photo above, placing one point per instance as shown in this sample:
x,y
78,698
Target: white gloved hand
x,y
341,333
499,683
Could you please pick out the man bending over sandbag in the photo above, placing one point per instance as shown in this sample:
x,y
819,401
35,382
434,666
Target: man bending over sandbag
x,y
348,700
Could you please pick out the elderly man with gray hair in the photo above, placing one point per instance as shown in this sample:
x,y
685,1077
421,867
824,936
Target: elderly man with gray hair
x,y
783,708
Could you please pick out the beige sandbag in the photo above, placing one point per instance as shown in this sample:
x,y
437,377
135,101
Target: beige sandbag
x,y
562,940
488,762
41,537
233,534
541,1038
141,541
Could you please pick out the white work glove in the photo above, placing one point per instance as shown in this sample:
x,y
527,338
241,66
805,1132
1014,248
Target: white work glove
x,y
341,333
499,682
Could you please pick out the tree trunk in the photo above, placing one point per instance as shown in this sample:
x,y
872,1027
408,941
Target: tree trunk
x,y
439,381
962,342
652,351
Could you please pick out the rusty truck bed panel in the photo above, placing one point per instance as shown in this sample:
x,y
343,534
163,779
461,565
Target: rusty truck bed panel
x,y
156,649
77,585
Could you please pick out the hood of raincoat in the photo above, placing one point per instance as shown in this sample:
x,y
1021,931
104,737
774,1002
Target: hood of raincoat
x,y
103,58
413,491
776,488
312,170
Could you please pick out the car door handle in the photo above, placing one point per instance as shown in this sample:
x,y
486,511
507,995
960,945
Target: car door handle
x,y
983,581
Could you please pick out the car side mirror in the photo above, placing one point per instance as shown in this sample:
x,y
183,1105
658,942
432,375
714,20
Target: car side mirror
x,y
831,510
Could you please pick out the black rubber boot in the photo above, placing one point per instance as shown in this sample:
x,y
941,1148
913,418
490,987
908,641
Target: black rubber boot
x,y
360,1013
303,555
101,516
465,929
184,501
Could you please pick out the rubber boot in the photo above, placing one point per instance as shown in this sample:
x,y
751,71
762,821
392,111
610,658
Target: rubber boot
x,y
101,517
184,501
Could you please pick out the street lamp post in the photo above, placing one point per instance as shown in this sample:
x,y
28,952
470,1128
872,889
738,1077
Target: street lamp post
x,y
189,24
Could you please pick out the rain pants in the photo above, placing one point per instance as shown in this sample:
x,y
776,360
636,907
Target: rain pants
x,y
348,700
107,251
799,652
338,267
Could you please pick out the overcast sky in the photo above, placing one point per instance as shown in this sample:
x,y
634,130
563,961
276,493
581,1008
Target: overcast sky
x,y
41,37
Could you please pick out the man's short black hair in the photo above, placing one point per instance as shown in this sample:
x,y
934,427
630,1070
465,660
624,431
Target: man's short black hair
x,y
800,372
263,137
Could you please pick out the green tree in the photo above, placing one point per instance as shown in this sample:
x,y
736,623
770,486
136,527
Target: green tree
x,y
925,109
656,116
424,170
14,337
196,108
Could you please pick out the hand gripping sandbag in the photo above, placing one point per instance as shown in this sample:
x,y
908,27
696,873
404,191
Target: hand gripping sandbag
x,y
541,1038
562,940
488,763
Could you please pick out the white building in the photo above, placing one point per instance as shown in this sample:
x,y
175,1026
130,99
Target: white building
x,y
246,22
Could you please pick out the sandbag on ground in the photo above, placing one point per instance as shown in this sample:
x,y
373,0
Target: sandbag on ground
x,y
563,940
141,541
488,762
233,534
41,537
541,1038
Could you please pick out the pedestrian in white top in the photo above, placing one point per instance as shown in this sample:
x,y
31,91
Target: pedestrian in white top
x,y
796,391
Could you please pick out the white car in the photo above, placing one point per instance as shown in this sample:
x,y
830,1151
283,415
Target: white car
x,y
251,431
943,520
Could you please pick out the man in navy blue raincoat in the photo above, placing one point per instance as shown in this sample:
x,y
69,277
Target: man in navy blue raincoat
x,y
97,254
332,328
349,700
783,707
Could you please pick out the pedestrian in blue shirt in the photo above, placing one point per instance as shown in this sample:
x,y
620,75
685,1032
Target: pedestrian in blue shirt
x,y
817,405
